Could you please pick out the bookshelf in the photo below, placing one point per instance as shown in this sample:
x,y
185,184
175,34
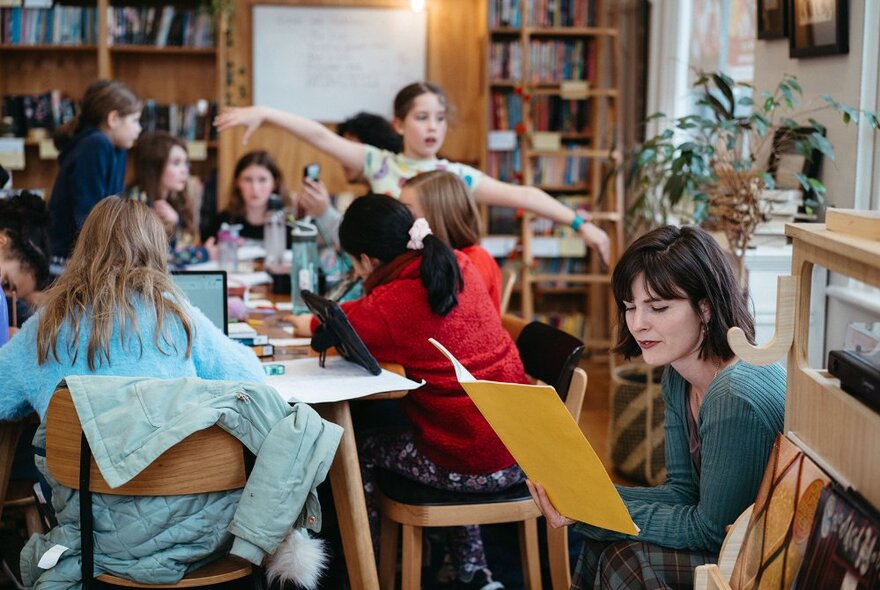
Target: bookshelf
x,y
841,430
552,89
167,52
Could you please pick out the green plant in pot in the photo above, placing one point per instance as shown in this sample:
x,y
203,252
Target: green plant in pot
x,y
712,168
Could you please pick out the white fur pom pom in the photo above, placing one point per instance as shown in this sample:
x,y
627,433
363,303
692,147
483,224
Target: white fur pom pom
x,y
299,559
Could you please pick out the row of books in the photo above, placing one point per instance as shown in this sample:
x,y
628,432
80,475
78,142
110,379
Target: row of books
x,y
505,166
505,60
60,25
160,26
36,111
506,110
554,61
559,170
553,113
542,13
561,13
189,121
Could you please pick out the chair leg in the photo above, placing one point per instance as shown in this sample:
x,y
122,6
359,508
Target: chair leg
x,y
411,566
33,522
557,552
388,538
530,554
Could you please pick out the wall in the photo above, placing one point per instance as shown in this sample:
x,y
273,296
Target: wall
x,y
839,76
456,36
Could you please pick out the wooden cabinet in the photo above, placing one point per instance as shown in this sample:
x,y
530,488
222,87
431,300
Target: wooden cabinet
x,y
841,430
552,89
180,69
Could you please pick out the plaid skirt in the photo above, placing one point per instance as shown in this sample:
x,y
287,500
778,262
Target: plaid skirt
x,y
635,565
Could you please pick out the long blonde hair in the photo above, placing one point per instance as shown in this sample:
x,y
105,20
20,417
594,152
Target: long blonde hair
x,y
449,208
121,252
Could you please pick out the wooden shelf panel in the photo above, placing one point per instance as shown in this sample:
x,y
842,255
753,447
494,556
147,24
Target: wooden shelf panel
x,y
839,428
570,31
584,279
573,152
152,49
555,90
850,255
47,48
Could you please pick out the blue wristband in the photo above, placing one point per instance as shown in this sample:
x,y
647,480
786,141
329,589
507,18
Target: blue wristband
x,y
577,222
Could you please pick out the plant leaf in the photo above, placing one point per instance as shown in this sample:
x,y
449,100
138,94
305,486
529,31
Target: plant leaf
x,y
818,141
725,84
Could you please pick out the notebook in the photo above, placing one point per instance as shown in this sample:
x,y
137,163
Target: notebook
x,y
206,291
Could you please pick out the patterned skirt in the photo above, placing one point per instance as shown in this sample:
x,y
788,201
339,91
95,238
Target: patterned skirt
x,y
635,565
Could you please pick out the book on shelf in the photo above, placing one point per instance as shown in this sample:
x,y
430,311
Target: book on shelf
x,y
505,60
58,25
190,121
553,61
561,13
553,113
47,111
505,13
843,550
559,170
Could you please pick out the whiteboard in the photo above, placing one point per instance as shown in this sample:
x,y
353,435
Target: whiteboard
x,y
330,63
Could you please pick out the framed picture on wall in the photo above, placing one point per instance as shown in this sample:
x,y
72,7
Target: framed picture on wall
x,y
771,19
818,27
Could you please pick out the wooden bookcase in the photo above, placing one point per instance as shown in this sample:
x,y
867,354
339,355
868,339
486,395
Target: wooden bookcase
x,y
552,93
841,430
168,75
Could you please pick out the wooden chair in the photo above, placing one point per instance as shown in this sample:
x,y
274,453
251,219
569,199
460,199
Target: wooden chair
x,y
209,460
549,355
508,281
716,576
17,494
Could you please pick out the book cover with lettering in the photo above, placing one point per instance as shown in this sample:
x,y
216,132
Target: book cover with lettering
x,y
844,546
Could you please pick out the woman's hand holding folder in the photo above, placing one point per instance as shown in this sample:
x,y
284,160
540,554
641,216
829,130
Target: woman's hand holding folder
x,y
546,507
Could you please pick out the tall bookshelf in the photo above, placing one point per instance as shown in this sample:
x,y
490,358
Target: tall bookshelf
x,y
38,55
552,106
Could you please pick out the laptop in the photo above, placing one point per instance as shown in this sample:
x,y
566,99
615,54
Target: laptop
x,y
206,291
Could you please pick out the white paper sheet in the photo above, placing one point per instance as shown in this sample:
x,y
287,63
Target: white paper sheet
x,y
305,381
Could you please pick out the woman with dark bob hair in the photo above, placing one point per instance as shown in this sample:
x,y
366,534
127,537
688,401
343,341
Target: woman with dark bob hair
x,y
677,296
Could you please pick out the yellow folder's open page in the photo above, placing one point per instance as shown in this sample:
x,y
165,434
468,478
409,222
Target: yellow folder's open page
x,y
548,445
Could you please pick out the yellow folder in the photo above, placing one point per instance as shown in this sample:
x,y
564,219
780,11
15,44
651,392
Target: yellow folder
x,y
548,445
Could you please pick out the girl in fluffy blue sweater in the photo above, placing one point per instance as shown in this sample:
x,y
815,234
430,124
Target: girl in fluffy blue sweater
x,y
115,311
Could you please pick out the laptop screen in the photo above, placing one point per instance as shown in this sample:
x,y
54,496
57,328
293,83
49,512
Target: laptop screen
x,y
206,291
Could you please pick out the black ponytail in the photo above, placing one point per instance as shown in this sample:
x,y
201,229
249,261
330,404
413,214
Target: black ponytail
x,y
440,275
378,226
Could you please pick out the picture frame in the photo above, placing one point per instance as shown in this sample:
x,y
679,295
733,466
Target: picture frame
x,y
818,27
772,21
788,157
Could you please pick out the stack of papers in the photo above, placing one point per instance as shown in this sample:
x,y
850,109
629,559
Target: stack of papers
x,y
305,381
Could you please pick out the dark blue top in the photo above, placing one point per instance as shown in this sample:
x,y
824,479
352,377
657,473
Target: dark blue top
x,y
90,168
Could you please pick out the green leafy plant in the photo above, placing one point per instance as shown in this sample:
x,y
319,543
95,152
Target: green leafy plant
x,y
713,165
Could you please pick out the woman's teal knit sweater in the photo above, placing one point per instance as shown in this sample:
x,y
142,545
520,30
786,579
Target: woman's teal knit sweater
x,y
738,421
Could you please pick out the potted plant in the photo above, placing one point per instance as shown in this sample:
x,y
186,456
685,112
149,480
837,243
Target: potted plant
x,y
713,167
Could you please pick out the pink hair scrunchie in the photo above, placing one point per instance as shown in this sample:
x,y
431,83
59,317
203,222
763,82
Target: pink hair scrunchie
x,y
417,233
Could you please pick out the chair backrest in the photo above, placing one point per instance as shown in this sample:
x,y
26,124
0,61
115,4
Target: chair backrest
x,y
209,460
508,280
547,353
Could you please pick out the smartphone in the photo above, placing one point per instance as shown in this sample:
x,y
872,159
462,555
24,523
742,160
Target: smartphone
x,y
312,171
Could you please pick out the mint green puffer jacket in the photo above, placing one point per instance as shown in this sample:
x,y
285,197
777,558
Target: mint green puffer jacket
x,y
129,422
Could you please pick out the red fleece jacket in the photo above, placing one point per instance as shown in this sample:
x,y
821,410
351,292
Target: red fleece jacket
x,y
395,321
489,270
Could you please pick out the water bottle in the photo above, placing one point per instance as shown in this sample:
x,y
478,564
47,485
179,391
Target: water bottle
x,y
303,263
274,232
227,247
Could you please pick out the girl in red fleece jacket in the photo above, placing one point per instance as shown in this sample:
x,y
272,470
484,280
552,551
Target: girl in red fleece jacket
x,y
417,288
